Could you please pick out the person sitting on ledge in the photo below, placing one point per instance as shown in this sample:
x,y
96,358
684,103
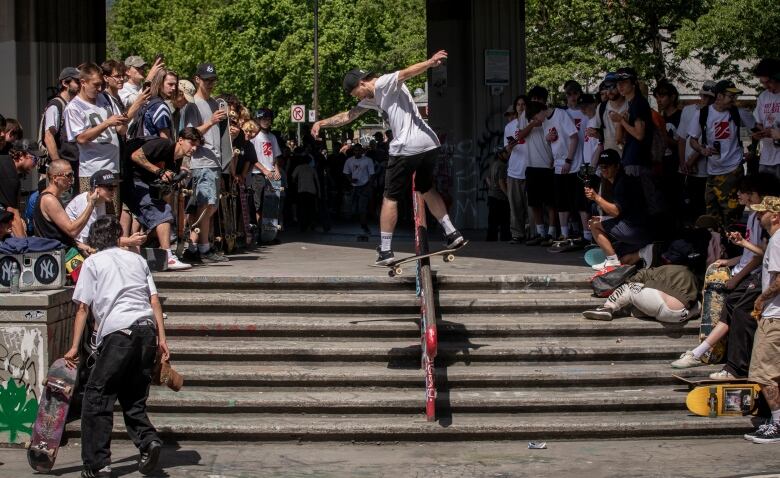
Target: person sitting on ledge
x,y
667,294
621,231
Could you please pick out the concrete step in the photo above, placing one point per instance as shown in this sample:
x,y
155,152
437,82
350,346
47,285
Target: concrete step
x,y
389,302
482,349
379,325
578,374
413,427
369,401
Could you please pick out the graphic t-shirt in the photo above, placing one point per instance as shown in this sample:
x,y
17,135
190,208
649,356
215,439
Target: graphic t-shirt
x,y
561,125
753,236
76,206
411,134
722,129
609,125
689,113
518,159
266,149
769,271
359,169
103,151
767,114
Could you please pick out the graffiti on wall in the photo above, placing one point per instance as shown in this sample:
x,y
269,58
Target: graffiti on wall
x,y
22,370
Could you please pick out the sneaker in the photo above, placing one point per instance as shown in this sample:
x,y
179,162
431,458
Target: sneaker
x,y
534,241
694,312
646,253
453,240
104,472
384,258
605,264
722,375
769,434
760,429
547,241
147,462
687,360
600,313
211,257
174,264
517,240
191,257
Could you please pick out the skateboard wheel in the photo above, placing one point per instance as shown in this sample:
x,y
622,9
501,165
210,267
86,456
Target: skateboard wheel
x,y
398,271
449,258
196,230
391,273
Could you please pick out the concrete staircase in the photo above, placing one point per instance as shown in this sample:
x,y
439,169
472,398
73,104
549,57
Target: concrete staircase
x,y
334,358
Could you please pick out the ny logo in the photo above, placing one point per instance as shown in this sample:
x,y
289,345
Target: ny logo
x,y
46,269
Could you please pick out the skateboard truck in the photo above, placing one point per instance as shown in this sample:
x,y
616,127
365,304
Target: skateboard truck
x,y
59,386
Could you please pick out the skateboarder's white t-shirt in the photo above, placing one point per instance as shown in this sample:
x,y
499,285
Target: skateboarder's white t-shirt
x,y
267,148
562,125
117,286
359,169
392,99
518,160
770,269
76,206
753,236
103,151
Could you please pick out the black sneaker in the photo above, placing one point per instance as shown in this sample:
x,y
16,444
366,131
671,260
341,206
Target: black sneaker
x,y
534,241
599,313
384,258
759,429
517,240
767,434
147,462
453,240
104,472
211,257
547,241
191,257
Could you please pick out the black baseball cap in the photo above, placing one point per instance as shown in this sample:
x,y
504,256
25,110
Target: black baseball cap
x,y
767,67
206,71
626,73
586,99
27,146
572,86
104,177
608,157
726,86
353,77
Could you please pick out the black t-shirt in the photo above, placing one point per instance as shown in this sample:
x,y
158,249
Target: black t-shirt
x,y
158,151
10,183
635,152
248,155
628,196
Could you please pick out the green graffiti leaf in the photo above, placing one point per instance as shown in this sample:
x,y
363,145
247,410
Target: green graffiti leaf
x,y
17,413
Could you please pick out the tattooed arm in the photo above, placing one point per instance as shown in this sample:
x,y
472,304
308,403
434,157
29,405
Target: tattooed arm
x,y
140,159
338,120
768,294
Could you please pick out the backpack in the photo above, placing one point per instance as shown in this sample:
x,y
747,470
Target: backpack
x,y
734,116
68,149
136,128
605,281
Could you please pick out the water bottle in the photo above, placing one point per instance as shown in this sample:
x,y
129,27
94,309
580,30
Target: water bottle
x,y
15,274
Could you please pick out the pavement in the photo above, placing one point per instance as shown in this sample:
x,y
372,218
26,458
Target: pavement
x,y
710,458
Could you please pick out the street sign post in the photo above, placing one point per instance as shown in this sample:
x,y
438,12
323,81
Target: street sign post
x,y
297,114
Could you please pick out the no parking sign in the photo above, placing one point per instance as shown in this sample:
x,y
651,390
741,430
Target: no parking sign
x,y
297,113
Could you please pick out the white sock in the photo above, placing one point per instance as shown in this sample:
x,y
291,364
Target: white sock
x,y
775,416
447,224
565,232
540,229
551,231
613,258
587,235
203,248
702,349
387,240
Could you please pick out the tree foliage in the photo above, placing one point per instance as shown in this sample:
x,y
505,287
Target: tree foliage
x,y
263,49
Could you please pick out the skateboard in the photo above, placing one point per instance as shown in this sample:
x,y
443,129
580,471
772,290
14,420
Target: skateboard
x,y
594,256
448,255
52,413
724,399
225,142
272,207
566,245
714,296
183,228
698,382
244,194
227,216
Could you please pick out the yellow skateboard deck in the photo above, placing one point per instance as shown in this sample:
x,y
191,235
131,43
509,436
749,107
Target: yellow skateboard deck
x,y
724,399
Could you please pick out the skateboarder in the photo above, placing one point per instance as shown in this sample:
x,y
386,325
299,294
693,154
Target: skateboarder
x,y
117,287
414,148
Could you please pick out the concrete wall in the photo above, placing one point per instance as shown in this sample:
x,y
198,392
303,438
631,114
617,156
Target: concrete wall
x,y
466,113
35,330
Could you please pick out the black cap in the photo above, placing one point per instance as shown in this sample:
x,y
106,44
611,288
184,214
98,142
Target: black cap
x,y
586,99
572,86
263,113
206,71
68,73
609,156
353,77
626,73
726,86
767,67
104,177
27,146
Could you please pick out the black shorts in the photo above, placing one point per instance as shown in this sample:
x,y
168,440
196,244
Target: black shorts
x,y
398,176
565,191
539,186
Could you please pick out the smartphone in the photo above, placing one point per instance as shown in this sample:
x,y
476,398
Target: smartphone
x,y
146,85
511,139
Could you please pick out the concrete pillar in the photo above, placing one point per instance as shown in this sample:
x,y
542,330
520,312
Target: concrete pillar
x,y
467,113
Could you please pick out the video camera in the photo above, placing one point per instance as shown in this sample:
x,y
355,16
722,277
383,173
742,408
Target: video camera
x,y
158,189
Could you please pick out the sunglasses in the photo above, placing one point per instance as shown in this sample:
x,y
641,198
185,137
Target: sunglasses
x,y
69,175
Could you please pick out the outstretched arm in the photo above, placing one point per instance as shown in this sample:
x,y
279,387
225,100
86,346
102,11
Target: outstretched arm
x,y
338,120
418,68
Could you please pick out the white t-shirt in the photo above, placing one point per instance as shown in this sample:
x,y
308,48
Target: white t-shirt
x,y
767,114
266,148
103,151
720,128
117,285
581,123
609,125
589,144
560,123
51,119
688,114
411,134
518,160
539,151
360,169
128,93
771,267
209,154
752,235
76,206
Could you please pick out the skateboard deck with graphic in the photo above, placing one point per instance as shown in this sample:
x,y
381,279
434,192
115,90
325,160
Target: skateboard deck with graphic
x,y
724,399
713,300
52,414
244,195
397,270
272,208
